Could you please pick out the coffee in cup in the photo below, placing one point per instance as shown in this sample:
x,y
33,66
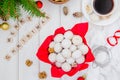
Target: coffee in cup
x,y
103,7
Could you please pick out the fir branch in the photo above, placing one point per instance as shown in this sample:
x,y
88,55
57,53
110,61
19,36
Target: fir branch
x,y
18,10
1,12
31,7
5,7
12,9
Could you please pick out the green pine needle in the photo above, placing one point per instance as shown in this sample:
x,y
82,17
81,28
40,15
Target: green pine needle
x,y
31,7
11,8
5,7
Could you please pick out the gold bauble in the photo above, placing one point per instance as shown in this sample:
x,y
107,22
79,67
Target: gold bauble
x,y
5,26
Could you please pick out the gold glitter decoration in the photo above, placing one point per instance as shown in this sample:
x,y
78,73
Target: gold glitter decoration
x,y
51,50
42,75
28,62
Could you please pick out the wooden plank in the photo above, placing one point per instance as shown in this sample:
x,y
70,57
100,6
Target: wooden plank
x,y
58,19
49,28
29,48
8,68
68,22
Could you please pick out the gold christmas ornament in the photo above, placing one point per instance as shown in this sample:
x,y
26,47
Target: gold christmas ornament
x,y
4,26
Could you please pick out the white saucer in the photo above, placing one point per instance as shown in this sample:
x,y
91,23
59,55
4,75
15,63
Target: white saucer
x,y
103,22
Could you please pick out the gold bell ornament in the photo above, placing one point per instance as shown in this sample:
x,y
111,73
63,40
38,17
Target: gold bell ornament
x,y
4,26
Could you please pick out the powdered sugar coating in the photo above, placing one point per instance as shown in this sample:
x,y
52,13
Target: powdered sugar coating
x,y
84,49
69,50
66,67
66,43
68,35
58,38
77,40
66,53
52,57
80,60
76,54
57,47
60,58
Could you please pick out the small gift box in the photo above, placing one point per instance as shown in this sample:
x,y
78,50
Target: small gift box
x,y
43,52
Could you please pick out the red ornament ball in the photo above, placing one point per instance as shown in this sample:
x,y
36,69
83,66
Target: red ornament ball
x,y
81,78
39,4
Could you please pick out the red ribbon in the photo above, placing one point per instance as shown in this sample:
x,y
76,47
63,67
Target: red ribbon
x,y
115,37
42,54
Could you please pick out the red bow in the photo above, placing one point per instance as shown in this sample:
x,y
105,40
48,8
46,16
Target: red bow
x,y
115,37
42,54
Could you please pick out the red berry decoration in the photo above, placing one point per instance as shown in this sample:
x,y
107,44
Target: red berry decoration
x,y
81,78
39,4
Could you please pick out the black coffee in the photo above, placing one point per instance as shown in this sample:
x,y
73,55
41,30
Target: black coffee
x,y
103,6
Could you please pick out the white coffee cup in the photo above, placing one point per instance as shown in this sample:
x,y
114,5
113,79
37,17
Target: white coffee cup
x,y
115,2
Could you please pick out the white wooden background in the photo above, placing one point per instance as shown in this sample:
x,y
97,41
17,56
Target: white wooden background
x,y
15,69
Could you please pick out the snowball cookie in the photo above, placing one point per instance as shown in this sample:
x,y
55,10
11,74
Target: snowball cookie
x,y
66,67
76,54
73,48
58,64
52,44
52,57
80,60
57,47
60,58
58,38
68,35
66,53
83,48
77,40
70,60
66,43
